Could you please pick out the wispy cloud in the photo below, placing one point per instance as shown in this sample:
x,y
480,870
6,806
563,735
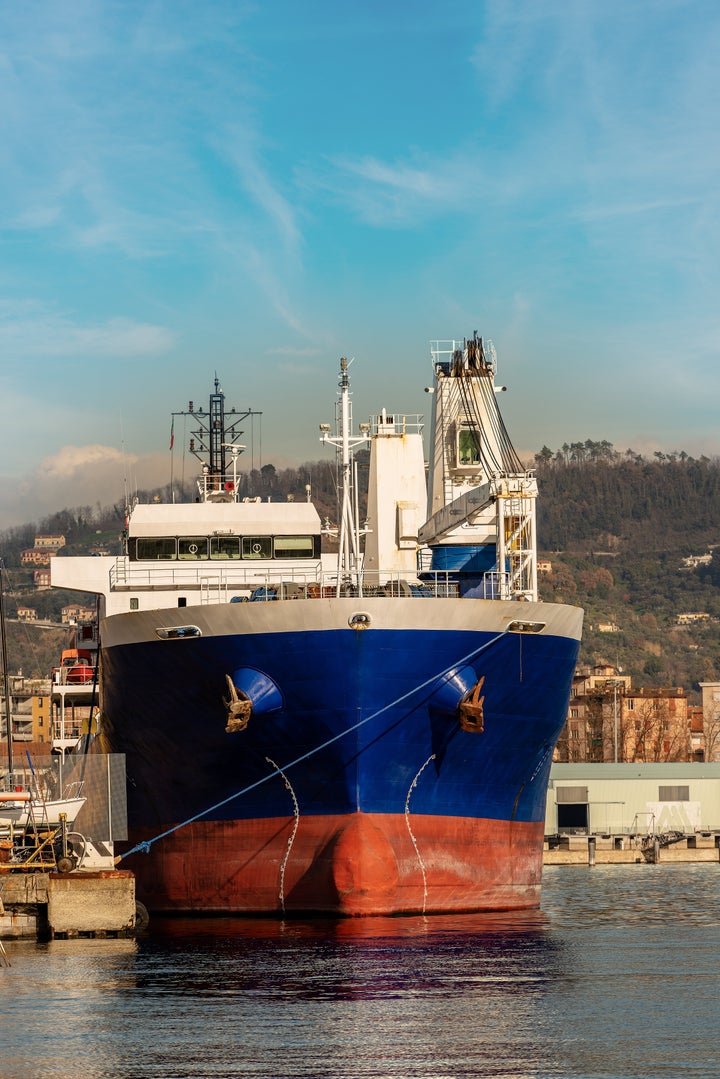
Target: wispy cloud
x,y
191,189
123,105
401,195
241,147
32,330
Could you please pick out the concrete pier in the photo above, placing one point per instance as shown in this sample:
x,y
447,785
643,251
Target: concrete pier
x,y
81,904
616,850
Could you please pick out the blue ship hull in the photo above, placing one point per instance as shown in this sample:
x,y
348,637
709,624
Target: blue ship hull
x,y
347,723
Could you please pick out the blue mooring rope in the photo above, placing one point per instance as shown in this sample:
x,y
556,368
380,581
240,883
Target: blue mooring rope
x,y
144,846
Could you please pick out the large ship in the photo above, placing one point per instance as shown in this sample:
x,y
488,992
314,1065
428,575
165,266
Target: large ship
x,y
354,733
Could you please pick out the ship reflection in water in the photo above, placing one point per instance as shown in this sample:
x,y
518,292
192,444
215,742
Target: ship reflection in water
x,y
615,977
370,958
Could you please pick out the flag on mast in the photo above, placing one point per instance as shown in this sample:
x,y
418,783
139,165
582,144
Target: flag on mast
x,y
172,433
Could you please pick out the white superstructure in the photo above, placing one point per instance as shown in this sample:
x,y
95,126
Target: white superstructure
x,y
480,493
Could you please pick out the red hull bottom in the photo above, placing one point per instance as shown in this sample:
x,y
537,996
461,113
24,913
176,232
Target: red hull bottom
x,y
352,865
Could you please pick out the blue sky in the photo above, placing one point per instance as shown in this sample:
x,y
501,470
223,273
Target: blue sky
x,y
256,189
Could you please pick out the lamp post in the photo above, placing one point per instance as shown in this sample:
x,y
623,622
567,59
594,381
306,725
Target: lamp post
x,y
615,723
615,683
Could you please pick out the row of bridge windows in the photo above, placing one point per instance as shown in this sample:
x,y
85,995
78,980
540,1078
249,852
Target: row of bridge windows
x,y
197,548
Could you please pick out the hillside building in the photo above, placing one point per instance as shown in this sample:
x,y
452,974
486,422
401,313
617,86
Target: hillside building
x,y
41,578
610,721
695,560
690,618
697,733
53,543
711,720
74,613
36,556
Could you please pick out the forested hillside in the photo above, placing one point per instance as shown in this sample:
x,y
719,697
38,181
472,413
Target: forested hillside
x,y
614,527
670,503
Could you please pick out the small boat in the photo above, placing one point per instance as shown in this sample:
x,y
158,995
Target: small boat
x,y
22,809
76,668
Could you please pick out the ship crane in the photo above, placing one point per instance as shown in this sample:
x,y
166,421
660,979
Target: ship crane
x,y
478,483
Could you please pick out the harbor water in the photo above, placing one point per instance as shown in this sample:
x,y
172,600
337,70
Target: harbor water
x,y
615,976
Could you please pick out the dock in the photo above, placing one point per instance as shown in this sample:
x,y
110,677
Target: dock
x,y
51,905
626,849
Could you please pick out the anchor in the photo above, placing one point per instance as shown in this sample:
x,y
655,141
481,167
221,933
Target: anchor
x,y
470,710
239,709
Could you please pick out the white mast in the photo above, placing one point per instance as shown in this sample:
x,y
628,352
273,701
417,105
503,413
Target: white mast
x,y
349,562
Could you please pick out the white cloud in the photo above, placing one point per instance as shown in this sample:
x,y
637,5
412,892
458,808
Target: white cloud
x,y
92,475
71,460
29,329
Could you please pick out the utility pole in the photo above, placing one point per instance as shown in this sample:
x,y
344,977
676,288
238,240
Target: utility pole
x,y
615,722
6,677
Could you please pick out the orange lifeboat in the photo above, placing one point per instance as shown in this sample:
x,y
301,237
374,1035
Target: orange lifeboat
x,y
76,665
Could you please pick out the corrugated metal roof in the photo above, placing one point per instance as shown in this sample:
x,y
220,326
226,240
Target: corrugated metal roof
x,y
568,773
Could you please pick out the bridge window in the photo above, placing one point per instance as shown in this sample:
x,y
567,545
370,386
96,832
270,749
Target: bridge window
x,y
257,547
192,547
224,546
293,546
152,547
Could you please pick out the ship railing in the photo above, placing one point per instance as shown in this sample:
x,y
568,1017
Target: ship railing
x,y
396,424
493,584
327,585
208,577
66,730
233,583
236,582
81,676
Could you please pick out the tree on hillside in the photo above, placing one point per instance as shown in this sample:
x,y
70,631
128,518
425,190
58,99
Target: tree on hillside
x,y
711,732
654,730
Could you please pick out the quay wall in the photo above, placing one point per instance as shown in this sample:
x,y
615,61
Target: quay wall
x,y
47,905
599,850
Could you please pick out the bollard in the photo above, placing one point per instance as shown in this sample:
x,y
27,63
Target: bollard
x,y
591,850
